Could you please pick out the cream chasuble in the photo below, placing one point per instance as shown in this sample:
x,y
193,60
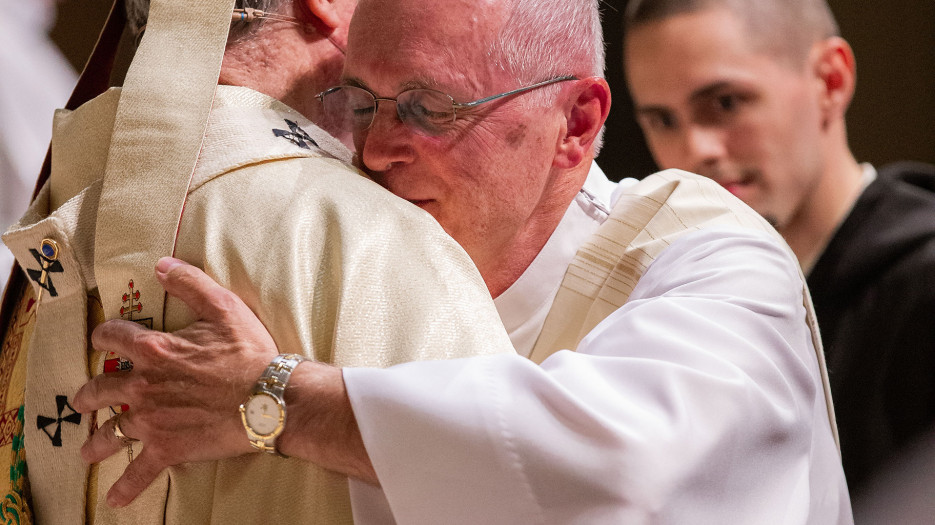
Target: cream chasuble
x,y
335,267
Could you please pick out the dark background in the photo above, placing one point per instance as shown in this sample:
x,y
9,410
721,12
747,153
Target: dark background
x,y
891,118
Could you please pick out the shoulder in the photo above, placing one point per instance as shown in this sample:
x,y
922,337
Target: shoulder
x,y
248,128
691,200
730,261
906,184
316,191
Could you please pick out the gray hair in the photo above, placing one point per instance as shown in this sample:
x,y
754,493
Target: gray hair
x,y
548,38
543,39
138,13
786,27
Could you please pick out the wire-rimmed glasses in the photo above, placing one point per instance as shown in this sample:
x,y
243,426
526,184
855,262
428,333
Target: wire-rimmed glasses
x,y
353,108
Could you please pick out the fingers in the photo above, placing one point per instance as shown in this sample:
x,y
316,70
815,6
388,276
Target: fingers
x,y
118,336
104,443
140,473
209,300
102,391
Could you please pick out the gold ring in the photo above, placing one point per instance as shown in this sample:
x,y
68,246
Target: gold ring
x,y
126,440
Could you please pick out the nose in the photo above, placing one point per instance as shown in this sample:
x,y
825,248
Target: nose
x,y
703,147
387,142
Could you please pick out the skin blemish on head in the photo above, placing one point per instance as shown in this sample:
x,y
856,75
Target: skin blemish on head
x,y
514,138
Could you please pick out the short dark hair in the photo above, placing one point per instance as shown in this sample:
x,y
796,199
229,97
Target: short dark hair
x,y
788,27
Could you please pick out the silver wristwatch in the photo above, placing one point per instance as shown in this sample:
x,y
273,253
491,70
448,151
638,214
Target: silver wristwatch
x,y
264,412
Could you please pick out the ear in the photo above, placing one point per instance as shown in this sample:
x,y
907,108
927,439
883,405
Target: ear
x,y
586,109
324,15
836,71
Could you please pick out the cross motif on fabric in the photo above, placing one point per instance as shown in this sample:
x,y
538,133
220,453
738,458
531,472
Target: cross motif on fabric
x,y
132,305
43,423
295,135
49,263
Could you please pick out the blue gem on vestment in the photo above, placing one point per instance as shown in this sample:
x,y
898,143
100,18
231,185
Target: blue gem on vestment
x,y
48,264
49,249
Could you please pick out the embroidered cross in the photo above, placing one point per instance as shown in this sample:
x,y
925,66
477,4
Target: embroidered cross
x,y
295,135
49,263
43,422
131,305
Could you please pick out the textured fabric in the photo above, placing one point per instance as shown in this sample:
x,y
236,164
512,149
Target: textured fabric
x,y
53,431
153,119
874,292
700,400
336,267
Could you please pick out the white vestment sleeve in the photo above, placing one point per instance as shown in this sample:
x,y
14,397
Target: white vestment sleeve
x,y
698,401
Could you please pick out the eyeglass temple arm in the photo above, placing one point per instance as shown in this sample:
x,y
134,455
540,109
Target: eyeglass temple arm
x,y
459,105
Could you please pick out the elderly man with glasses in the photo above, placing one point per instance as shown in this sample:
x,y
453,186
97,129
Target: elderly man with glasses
x,y
670,370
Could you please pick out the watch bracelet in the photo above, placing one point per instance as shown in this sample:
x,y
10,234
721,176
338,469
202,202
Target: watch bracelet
x,y
273,381
277,374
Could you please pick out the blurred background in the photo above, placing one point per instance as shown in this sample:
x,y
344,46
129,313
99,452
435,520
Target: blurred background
x,y
891,118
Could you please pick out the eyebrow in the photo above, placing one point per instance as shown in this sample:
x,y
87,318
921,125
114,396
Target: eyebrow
x,y
702,93
411,84
354,81
708,91
652,110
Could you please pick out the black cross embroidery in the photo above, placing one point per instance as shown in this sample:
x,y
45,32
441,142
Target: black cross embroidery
x,y
43,422
295,135
41,276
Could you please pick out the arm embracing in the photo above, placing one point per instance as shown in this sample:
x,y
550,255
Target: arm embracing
x,y
704,385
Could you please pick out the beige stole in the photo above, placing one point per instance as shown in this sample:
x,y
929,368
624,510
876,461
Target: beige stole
x,y
646,219
157,135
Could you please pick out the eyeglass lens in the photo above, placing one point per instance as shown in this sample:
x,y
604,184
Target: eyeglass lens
x,y
353,108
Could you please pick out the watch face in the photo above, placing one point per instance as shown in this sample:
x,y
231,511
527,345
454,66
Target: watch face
x,y
263,414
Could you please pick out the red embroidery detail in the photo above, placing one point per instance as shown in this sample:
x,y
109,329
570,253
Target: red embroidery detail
x,y
7,427
132,305
13,342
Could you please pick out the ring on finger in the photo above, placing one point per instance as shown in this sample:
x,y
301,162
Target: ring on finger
x,y
125,439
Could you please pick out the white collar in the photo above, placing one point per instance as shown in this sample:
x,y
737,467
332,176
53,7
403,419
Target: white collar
x,y
524,306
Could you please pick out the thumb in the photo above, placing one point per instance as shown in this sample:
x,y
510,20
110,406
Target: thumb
x,y
209,300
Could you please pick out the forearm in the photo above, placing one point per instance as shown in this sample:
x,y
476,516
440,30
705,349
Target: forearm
x,y
320,424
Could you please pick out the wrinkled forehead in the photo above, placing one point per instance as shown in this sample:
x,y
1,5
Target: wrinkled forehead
x,y
423,41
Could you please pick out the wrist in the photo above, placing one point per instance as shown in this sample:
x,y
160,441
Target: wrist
x,y
321,426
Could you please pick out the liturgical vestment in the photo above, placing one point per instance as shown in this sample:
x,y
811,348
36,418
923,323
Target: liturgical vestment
x,y
335,267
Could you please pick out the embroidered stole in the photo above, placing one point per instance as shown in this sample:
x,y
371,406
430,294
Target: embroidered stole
x,y
157,135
